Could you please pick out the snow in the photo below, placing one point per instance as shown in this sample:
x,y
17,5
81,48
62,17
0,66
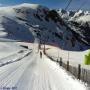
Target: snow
x,y
3,34
20,23
30,72
35,73
8,48
85,18
32,6
14,57
74,57
7,11
79,15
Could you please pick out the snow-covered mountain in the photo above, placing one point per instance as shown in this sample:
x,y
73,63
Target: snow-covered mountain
x,y
28,22
78,15
79,22
22,67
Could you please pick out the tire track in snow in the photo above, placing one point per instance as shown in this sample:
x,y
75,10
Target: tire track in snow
x,y
35,73
10,69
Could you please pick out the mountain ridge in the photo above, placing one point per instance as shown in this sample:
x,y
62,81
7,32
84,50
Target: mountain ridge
x,y
26,22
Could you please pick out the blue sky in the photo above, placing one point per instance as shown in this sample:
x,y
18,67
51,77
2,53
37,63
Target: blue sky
x,y
75,4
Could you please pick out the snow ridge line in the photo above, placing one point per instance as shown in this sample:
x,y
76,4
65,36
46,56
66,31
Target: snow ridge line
x,y
9,62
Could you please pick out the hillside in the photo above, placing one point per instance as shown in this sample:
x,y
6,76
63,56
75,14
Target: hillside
x,y
79,22
26,22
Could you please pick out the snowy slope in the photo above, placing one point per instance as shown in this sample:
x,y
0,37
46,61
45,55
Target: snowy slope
x,y
74,57
79,22
85,18
74,15
66,15
8,48
81,15
35,73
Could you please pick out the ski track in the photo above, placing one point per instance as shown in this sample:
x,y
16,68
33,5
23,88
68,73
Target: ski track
x,y
34,73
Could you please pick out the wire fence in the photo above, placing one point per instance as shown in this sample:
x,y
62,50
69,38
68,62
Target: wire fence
x,y
79,72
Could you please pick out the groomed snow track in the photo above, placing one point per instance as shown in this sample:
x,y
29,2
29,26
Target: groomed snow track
x,y
35,73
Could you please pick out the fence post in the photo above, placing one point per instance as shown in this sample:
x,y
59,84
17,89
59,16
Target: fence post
x,y
67,65
86,76
79,71
57,60
60,62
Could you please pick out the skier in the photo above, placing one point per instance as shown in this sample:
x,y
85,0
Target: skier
x,y
40,54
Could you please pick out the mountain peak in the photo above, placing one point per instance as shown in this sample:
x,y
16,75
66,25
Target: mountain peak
x,y
29,5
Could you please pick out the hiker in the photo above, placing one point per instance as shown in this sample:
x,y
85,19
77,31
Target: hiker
x,y
40,54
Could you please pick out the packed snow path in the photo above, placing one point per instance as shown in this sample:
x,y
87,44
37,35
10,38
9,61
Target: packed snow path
x,y
35,73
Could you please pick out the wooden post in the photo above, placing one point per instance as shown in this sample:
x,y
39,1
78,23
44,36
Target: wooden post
x,y
60,63
40,44
79,71
67,65
57,60
68,55
86,76
44,48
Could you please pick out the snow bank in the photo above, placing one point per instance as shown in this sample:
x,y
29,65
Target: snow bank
x,y
8,48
